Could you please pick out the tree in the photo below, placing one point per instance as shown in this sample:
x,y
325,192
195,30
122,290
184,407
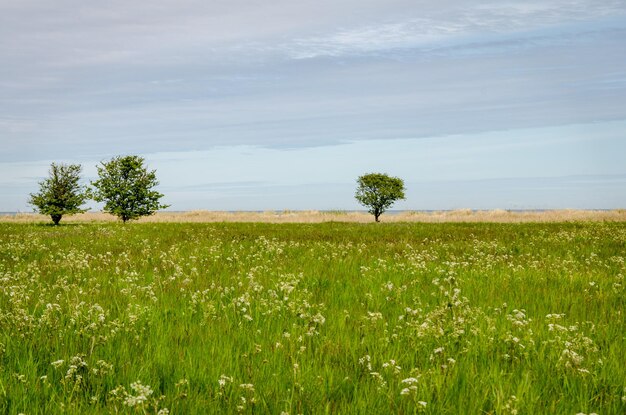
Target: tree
x,y
378,192
125,186
60,194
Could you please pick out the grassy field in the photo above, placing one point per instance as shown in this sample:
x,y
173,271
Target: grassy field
x,y
317,216
186,318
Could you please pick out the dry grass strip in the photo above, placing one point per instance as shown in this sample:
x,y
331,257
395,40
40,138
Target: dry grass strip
x,y
314,216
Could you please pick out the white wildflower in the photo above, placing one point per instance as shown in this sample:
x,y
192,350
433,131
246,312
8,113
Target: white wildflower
x,y
223,380
142,393
247,386
319,319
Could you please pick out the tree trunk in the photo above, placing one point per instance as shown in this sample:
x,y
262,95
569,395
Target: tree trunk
x,y
376,216
56,218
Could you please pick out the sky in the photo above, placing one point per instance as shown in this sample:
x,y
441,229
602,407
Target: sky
x,y
282,104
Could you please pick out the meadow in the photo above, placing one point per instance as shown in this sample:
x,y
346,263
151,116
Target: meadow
x,y
317,216
297,318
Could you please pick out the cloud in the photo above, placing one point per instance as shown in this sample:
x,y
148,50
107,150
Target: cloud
x,y
71,33
88,80
459,24
371,39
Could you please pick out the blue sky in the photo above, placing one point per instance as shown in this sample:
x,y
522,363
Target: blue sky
x,y
250,105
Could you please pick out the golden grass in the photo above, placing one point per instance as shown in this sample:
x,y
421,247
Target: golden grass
x,y
314,216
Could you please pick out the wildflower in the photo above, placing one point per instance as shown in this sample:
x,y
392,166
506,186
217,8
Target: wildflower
x,y
134,400
392,364
142,393
140,389
373,316
223,379
247,386
319,319
409,381
57,363
366,361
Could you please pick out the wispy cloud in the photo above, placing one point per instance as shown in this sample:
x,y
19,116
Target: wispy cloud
x,y
375,38
79,34
461,23
87,80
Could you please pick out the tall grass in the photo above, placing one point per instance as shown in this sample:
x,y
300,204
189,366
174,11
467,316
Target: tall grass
x,y
316,216
312,318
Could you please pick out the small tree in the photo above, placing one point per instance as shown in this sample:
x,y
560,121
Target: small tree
x,y
378,192
60,194
125,186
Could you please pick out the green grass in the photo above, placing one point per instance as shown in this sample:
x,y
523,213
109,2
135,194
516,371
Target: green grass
x,y
321,318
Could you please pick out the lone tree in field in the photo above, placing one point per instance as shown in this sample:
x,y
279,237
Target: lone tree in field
x,y
125,186
378,192
60,194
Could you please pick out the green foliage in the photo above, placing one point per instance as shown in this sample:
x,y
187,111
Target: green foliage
x,y
378,192
60,194
340,318
125,186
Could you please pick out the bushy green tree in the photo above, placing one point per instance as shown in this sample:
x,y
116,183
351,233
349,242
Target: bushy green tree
x,y
125,186
378,192
60,194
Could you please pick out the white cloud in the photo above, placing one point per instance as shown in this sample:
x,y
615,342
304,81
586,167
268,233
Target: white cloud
x,y
88,80
458,21
68,33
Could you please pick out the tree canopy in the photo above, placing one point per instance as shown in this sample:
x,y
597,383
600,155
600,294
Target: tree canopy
x,y
378,192
61,193
125,185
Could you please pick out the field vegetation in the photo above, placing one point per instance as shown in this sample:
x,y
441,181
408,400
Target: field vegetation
x,y
181,318
317,216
